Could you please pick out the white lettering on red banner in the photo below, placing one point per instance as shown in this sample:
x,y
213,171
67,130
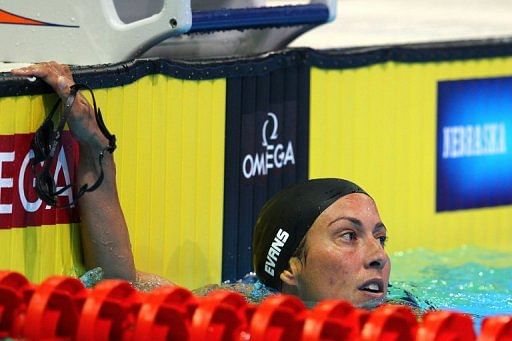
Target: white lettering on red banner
x,y
19,204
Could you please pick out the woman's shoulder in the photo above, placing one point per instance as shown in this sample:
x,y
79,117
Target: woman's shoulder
x,y
249,287
144,281
148,282
403,296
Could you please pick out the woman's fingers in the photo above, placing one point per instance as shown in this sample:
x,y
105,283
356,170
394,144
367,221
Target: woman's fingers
x,y
58,76
81,119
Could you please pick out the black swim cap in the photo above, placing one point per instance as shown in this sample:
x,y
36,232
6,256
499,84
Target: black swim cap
x,y
286,218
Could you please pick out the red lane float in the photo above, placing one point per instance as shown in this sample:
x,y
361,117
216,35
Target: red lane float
x,y
333,320
497,328
15,293
61,308
165,315
54,309
219,316
446,325
277,318
109,311
390,322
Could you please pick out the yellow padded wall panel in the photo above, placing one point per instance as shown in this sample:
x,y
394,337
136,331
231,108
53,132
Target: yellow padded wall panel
x,y
377,126
41,251
170,170
37,251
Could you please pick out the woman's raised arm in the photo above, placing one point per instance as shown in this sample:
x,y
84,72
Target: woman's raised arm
x,y
104,232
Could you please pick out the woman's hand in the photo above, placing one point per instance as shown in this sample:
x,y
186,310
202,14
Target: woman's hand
x,y
81,119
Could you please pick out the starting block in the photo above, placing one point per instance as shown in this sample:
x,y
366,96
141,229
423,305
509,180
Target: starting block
x,y
91,32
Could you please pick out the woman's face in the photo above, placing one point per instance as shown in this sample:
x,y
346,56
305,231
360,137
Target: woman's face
x,y
345,256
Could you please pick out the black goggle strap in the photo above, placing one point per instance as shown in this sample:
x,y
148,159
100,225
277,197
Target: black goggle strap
x,y
57,134
52,112
99,118
85,188
101,124
43,137
111,142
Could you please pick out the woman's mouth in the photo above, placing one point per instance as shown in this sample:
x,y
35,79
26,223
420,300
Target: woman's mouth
x,y
373,287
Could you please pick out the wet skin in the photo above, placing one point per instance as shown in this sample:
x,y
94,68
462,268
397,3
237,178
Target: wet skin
x,y
345,254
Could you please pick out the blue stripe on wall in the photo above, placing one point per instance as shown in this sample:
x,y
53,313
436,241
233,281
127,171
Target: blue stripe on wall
x,y
267,142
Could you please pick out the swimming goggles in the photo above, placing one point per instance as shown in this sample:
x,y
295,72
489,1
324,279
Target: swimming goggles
x,y
45,143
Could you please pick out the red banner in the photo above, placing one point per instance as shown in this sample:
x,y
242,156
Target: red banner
x,y
19,204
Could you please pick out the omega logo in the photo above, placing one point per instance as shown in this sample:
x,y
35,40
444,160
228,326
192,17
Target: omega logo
x,y
274,155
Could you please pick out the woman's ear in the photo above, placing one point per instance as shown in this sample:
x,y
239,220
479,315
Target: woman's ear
x,y
289,277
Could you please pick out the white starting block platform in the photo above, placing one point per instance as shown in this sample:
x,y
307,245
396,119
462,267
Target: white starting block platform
x,y
91,32
358,23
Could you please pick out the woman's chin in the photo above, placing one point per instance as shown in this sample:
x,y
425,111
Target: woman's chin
x,y
370,302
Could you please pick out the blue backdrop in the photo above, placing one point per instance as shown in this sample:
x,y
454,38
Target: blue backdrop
x,y
474,148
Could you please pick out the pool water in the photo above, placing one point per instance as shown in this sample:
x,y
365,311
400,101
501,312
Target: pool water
x,y
466,279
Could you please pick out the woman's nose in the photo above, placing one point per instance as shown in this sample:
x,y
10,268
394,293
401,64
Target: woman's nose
x,y
376,256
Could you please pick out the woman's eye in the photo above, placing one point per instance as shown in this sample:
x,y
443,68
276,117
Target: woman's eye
x,y
383,240
349,236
